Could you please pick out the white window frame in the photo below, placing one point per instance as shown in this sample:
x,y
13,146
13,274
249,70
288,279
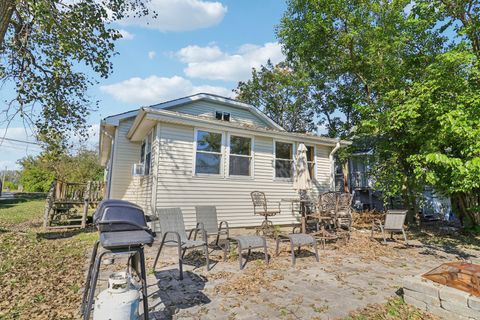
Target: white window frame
x,y
222,153
294,148
252,156
314,178
146,151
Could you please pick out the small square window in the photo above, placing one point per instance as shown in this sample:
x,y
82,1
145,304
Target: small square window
x,y
218,115
226,116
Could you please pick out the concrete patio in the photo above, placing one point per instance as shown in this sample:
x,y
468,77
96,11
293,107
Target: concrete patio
x,y
347,278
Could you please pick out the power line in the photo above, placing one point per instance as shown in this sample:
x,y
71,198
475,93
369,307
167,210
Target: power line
x,y
17,140
24,148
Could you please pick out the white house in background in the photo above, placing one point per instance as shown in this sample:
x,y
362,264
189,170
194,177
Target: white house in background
x,y
208,150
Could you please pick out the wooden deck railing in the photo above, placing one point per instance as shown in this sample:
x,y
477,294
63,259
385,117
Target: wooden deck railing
x,y
65,195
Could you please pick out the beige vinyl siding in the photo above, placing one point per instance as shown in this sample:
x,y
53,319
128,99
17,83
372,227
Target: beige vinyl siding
x,y
207,109
178,187
123,185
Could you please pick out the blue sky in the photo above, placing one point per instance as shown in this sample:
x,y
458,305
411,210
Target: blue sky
x,y
193,46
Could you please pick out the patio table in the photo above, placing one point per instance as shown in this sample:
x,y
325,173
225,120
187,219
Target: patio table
x,y
303,209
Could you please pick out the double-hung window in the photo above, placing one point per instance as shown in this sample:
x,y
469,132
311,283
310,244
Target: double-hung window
x,y
146,153
283,160
208,159
311,161
240,160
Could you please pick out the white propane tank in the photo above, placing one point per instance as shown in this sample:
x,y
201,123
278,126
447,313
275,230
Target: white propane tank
x,y
119,301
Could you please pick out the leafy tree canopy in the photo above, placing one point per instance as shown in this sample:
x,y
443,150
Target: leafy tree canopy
x,y
38,173
46,49
299,100
415,88
282,94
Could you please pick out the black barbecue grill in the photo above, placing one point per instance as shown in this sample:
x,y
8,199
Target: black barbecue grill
x,y
111,202
123,231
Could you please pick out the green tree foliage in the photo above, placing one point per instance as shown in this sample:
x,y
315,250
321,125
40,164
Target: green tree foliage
x,y
444,112
282,94
10,185
47,48
299,100
81,167
416,89
38,173
371,47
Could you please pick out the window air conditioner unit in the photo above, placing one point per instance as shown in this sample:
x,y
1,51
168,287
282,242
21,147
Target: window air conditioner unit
x,y
138,169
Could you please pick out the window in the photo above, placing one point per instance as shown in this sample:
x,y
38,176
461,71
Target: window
x,y
283,160
311,161
208,152
146,153
225,116
240,156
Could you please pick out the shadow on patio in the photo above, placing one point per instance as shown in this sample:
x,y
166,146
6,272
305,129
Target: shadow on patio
x,y
171,295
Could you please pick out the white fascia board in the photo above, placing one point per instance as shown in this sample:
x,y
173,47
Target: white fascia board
x,y
115,119
184,119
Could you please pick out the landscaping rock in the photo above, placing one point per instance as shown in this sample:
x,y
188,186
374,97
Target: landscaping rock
x,y
415,302
460,309
418,284
430,300
474,303
454,295
445,314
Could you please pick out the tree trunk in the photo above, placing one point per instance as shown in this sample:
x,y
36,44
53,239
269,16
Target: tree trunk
x,y
6,11
465,209
460,205
346,187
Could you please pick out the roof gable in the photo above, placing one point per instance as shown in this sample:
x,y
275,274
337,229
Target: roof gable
x,y
180,105
203,104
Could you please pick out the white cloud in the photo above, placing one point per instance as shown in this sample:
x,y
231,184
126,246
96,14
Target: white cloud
x,y
156,89
126,35
19,133
193,54
213,64
180,15
152,55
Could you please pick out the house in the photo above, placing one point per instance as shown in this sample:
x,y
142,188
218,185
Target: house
x,y
361,183
208,150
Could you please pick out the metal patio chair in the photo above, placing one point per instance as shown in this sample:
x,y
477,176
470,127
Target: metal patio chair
x,y
327,203
343,212
260,207
172,229
394,221
207,219
325,210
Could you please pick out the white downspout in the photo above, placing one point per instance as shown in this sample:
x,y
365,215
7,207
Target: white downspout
x,y
332,166
110,163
